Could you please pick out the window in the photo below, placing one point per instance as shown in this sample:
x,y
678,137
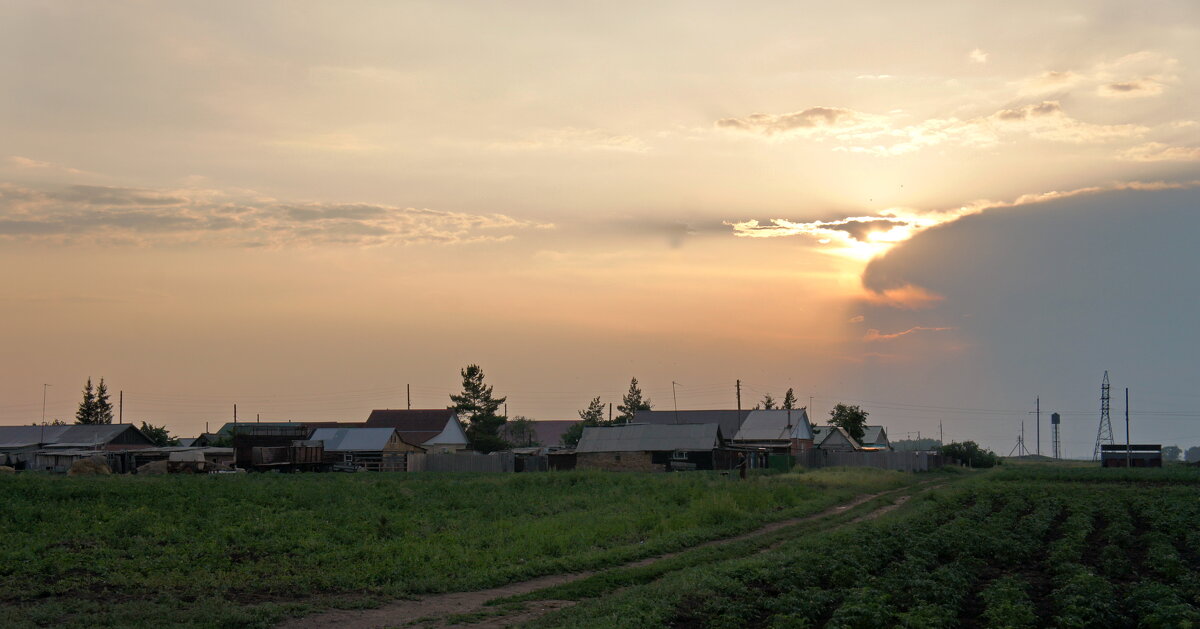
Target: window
x,y
679,455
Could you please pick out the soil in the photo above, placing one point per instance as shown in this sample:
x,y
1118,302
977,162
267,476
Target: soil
x,y
432,611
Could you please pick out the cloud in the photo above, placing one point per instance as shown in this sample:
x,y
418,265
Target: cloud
x,y
572,138
1159,152
145,217
1137,75
906,297
856,319
874,335
31,164
977,56
887,135
1141,88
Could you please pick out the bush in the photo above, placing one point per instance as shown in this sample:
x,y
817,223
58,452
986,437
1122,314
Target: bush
x,y
970,454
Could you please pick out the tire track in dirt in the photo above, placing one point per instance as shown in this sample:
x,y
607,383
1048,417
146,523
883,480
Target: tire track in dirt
x,y
432,610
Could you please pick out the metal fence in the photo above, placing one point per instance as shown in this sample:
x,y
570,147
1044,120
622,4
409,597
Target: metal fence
x,y
496,462
887,460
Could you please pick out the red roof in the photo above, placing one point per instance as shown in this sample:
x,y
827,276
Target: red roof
x,y
414,425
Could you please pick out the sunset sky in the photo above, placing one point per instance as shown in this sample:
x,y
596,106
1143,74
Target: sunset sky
x,y
937,211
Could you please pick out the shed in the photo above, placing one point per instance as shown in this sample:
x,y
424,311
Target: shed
x,y
19,444
653,448
373,449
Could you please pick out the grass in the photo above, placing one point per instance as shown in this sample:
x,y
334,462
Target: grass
x,y
1033,546
249,550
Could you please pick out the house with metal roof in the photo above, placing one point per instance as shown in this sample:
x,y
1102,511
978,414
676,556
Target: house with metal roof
x,y
653,448
437,431
19,445
729,421
781,431
875,438
374,449
834,438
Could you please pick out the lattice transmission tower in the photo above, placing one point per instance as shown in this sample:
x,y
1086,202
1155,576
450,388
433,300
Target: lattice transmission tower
x,y
1104,434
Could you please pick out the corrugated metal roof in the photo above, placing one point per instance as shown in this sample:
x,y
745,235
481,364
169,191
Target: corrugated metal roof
x,y
874,435
353,439
729,421
650,438
15,436
823,433
775,425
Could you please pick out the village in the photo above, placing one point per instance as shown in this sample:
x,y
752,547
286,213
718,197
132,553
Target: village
x,y
419,440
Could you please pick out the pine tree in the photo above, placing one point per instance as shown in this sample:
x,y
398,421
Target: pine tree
x,y
789,400
593,415
104,408
768,402
631,403
480,409
87,408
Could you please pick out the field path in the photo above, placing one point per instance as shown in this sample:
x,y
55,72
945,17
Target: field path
x,y
429,611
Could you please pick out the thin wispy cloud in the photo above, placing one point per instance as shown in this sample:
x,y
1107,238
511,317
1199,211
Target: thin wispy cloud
x,y
144,217
874,335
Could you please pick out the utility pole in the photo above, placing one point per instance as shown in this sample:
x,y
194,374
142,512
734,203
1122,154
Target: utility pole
x,y
44,387
1038,402
739,398
675,399
408,387
258,417
121,407
506,409
235,412
610,412
941,442
1128,448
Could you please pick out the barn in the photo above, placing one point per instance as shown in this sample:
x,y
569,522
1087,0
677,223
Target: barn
x,y
653,448
372,449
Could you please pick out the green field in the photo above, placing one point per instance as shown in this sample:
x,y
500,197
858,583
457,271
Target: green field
x,y
249,550
1023,546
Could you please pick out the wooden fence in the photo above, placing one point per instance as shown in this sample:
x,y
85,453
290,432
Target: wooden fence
x,y
900,461
496,462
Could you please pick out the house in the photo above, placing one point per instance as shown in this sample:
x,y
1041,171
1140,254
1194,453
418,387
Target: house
x,y
19,445
548,433
437,431
653,448
875,438
780,431
374,449
729,421
834,438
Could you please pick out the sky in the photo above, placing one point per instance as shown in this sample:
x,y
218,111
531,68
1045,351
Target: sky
x,y
939,212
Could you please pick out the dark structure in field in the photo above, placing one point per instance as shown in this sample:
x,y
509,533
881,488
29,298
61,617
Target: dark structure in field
x,y
437,431
1137,455
654,448
265,447
372,449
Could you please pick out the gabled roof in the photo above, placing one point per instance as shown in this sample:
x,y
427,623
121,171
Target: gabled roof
x,y
420,426
774,425
874,435
650,438
353,439
821,434
729,421
79,435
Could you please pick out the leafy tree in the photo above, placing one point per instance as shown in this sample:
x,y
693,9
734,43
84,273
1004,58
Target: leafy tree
x,y
1172,453
631,403
593,415
849,417
969,453
480,408
519,431
789,400
1192,455
768,402
158,435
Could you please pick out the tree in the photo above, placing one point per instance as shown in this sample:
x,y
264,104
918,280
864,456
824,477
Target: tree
x,y
480,408
631,403
593,415
1192,455
158,435
849,417
768,402
87,408
970,454
1171,453
789,400
104,409
520,432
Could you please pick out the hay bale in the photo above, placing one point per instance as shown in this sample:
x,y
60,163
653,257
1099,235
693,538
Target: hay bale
x,y
91,466
155,467
4,469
